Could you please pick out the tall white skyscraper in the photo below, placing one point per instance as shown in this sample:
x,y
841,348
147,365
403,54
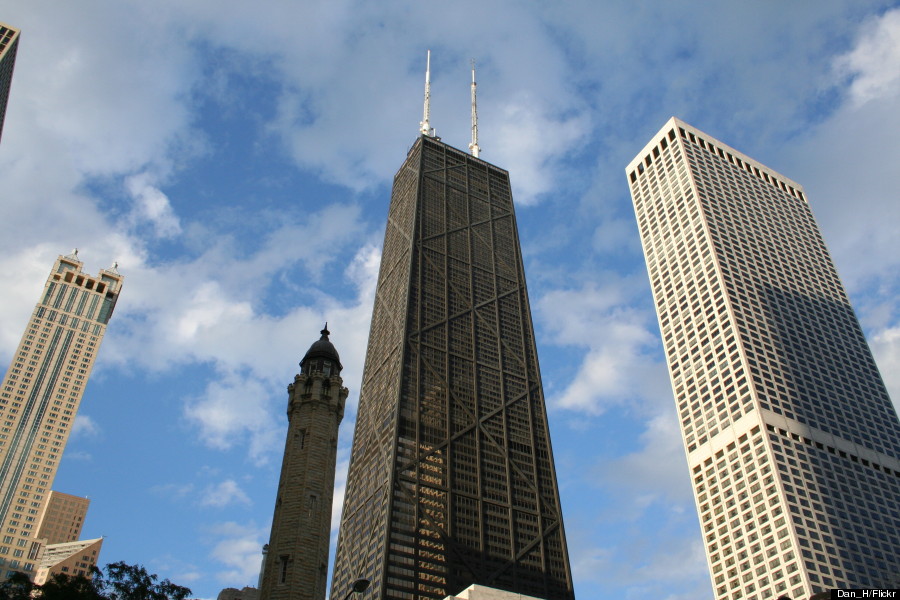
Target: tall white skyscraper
x,y
39,397
792,442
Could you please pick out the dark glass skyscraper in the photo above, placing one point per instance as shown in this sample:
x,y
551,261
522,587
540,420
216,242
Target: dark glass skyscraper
x,y
451,477
9,44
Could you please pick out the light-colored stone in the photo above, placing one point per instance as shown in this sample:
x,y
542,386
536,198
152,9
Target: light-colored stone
x,y
792,442
483,592
296,560
41,393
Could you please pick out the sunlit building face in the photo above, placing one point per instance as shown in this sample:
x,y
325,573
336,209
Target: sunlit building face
x,y
792,442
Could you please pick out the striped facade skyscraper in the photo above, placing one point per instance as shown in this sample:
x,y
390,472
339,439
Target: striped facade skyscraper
x,y
792,442
40,395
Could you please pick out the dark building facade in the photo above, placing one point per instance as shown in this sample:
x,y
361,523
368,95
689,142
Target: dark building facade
x,y
296,560
9,44
451,478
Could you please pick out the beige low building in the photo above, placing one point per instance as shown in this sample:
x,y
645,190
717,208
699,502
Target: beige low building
x,y
63,518
246,593
70,558
482,592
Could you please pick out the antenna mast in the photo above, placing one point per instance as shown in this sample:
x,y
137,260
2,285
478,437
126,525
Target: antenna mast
x,y
425,125
473,147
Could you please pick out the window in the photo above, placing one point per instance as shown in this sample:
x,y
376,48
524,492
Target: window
x,y
284,567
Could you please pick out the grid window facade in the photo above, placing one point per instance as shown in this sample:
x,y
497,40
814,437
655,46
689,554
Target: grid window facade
x,y
63,518
451,478
785,419
41,392
9,44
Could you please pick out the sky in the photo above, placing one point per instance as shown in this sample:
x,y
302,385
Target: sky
x,y
235,159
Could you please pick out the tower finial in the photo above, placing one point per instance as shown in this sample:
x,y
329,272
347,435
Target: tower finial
x,y
473,147
425,125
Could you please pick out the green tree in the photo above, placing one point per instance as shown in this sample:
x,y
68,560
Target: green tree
x,y
121,581
132,582
61,586
17,587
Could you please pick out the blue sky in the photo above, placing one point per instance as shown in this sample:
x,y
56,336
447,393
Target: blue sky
x,y
236,159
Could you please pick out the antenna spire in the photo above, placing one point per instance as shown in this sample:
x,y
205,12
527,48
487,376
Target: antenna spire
x,y
473,147
425,125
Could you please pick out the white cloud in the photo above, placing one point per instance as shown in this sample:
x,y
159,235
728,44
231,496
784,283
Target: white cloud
x,y
152,205
235,409
616,233
113,110
619,367
873,65
216,495
223,494
363,270
534,140
174,491
85,426
236,406
80,456
886,348
178,571
239,549
187,576
612,374
353,96
340,488
682,562
572,313
648,570
206,310
656,471
32,266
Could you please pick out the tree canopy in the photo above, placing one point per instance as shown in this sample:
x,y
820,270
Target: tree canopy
x,y
117,581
